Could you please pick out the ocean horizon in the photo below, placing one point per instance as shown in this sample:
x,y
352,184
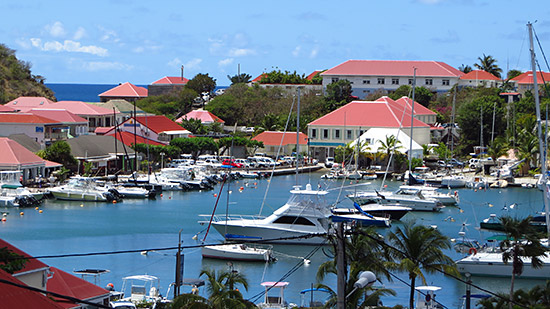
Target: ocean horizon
x,y
85,92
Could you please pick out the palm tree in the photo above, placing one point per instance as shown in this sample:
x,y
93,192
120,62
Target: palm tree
x,y
465,68
418,249
522,240
389,146
221,289
488,64
363,252
242,78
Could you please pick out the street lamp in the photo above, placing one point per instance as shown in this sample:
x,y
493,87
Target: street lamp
x,y
366,278
162,160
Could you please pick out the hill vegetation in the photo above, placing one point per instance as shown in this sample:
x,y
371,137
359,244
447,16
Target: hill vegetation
x,y
17,80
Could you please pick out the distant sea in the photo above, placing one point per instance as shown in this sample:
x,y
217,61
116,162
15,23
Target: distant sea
x,y
85,92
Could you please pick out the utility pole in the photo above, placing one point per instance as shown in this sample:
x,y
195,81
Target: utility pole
x,y
179,268
340,266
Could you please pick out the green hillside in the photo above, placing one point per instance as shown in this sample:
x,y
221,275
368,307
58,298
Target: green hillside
x,y
17,80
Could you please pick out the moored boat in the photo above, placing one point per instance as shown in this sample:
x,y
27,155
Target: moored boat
x,y
238,252
304,219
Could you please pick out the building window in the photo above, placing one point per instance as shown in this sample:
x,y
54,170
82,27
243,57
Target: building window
x,y
366,81
334,79
381,81
337,133
446,82
325,133
429,81
395,81
411,81
313,133
349,134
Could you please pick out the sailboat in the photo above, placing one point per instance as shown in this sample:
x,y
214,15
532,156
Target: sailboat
x,y
303,219
491,263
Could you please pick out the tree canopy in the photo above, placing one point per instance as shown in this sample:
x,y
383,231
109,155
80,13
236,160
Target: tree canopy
x,y
286,77
239,78
59,152
201,83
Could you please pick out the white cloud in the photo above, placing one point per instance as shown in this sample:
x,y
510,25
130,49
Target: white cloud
x,y
56,29
241,52
23,43
109,35
68,46
193,64
296,51
79,34
105,66
430,1
176,62
314,52
225,62
138,49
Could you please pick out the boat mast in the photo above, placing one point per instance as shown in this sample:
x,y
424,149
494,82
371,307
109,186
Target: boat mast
x,y
412,119
297,135
539,129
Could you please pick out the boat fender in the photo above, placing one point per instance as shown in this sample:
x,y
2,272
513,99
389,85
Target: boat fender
x,y
456,193
472,251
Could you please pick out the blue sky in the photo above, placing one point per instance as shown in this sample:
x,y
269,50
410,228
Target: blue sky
x,y
109,42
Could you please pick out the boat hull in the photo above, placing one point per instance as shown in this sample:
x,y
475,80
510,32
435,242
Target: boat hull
x,y
490,264
77,196
236,253
251,231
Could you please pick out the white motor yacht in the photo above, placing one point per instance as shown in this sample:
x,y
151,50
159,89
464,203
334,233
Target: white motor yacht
x,y
432,192
491,264
417,201
83,189
305,213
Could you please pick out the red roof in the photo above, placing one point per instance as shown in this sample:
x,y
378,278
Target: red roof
x,y
419,109
202,115
259,78
52,164
172,80
312,75
159,123
6,109
479,75
82,108
16,297
102,130
394,68
126,90
70,285
25,118
128,139
29,102
60,115
527,78
15,154
273,138
384,113
32,264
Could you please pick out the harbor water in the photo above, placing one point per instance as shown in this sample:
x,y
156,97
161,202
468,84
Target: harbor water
x,y
98,231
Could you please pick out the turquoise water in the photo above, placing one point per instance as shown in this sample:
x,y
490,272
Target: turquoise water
x,y
87,227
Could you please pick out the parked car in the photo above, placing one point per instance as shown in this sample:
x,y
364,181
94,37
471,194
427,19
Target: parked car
x,y
244,162
329,162
443,164
232,162
456,163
